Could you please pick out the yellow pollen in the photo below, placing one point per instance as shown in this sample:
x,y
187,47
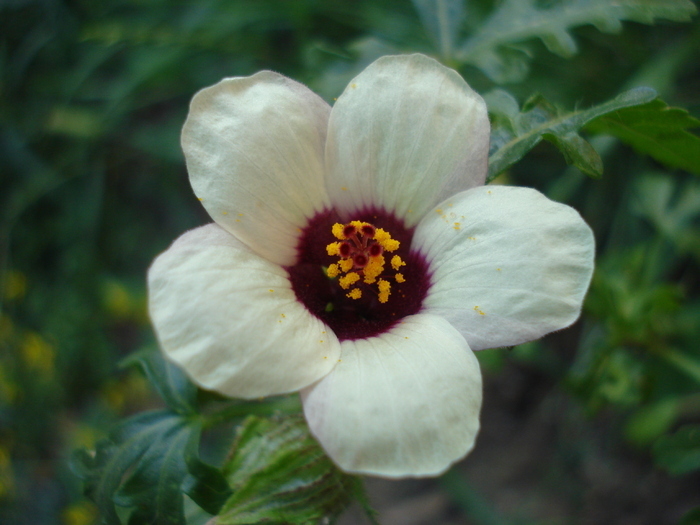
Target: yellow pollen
x,y
370,269
355,293
396,262
374,269
346,281
337,231
333,249
346,264
385,241
384,290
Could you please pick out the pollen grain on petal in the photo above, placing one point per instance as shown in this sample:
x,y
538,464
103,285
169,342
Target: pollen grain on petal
x,y
400,278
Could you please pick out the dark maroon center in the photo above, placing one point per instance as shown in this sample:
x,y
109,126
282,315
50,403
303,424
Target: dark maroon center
x,y
352,319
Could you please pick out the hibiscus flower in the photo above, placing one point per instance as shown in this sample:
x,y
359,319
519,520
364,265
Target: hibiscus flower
x,y
357,257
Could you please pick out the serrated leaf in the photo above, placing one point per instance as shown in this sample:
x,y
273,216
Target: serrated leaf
x,y
442,19
171,383
514,132
657,130
205,484
680,452
279,474
515,21
141,466
153,485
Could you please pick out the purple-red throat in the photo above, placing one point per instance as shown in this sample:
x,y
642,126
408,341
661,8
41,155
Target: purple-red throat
x,y
323,296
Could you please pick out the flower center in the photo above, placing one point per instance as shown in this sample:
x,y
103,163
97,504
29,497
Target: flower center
x,y
361,265
365,280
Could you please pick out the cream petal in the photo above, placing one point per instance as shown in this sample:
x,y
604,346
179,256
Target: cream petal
x,y
403,404
254,151
508,265
230,319
405,134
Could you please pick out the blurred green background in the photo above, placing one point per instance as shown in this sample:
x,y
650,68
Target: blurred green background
x,y
92,98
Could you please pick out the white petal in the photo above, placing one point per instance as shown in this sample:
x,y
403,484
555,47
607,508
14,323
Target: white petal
x,y
508,265
405,403
230,319
404,135
254,150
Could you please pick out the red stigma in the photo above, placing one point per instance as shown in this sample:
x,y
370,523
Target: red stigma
x,y
345,250
368,230
375,250
360,260
349,230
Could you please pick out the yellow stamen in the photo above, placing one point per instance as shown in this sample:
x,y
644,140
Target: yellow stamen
x,y
333,271
396,262
373,272
346,264
337,231
384,290
346,281
385,241
374,269
355,293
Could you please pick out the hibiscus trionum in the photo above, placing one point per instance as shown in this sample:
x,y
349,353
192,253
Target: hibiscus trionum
x,y
357,257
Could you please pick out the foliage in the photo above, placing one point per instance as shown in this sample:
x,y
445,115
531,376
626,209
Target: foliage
x,y
93,96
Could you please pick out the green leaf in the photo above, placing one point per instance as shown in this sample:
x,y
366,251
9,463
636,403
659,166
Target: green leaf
x,y
679,453
491,47
279,474
657,130
170,381
515,132
442,19
205,484
141,467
